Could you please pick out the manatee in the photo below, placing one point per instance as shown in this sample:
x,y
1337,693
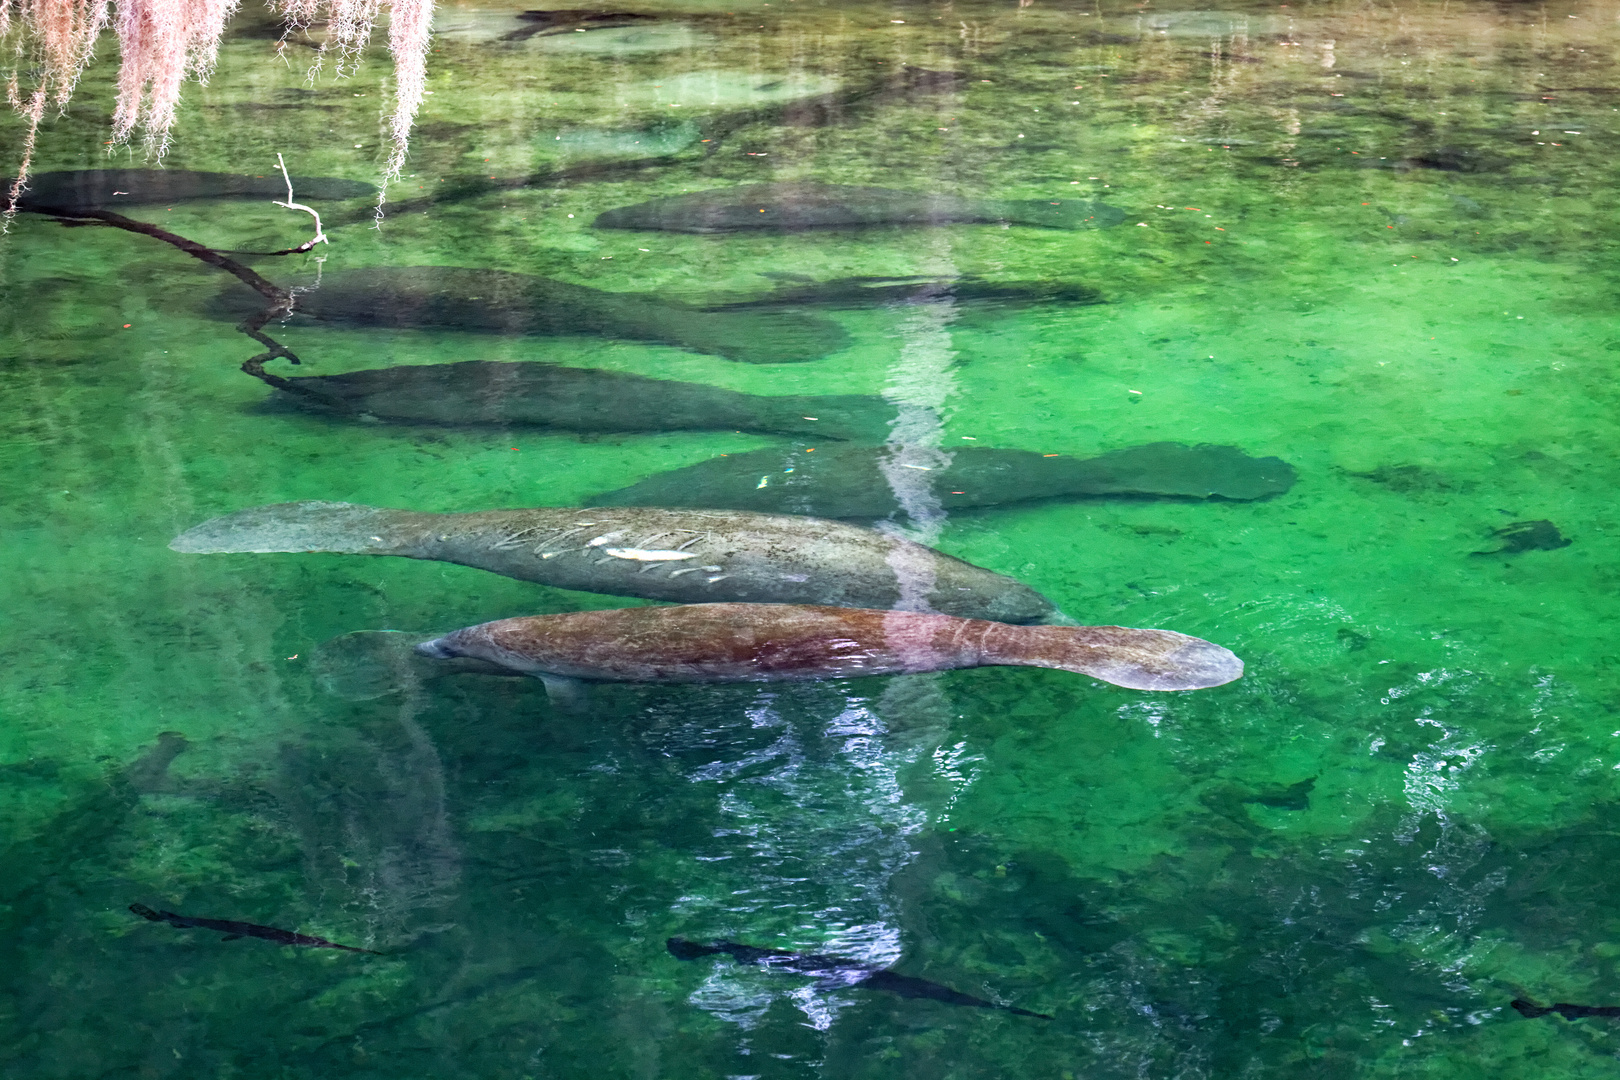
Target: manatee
x,y
607,41
562,21
496,301
99,189
722,643
800,205
575,399
795,291
660,138
849,481
679,555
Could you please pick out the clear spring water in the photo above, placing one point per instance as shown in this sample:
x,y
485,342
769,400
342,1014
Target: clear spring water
x,y
1368,239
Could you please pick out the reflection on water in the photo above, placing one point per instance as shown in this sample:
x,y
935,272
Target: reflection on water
x,y
1288,328
814,825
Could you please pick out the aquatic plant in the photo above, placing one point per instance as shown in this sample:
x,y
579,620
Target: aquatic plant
x,y
161,42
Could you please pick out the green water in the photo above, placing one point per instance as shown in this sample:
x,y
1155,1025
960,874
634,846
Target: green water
x,y
1431,348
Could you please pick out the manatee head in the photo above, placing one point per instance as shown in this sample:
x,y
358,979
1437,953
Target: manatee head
x,y
439,648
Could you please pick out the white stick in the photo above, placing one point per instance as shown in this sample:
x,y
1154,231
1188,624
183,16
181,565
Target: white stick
x,y
320,234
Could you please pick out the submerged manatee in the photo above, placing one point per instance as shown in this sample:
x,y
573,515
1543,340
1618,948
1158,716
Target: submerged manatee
x,y
850,481
795,291
496,301
800,205
719,643
100,189
575,399
679,555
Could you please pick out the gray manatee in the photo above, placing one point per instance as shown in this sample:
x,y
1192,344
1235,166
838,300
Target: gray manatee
x,y
794,205
501,302
574,399
849,481
91,189
686,556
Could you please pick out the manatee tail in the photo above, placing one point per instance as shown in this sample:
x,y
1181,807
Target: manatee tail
x,y
346,528
1135,659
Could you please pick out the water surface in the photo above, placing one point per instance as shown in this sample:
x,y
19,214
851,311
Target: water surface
x,y
1375,242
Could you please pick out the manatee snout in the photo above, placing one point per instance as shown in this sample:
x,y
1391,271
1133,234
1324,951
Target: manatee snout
x,y
438,648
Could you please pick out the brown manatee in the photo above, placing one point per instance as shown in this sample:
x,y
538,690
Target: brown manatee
x,y
574,399
721,643
500,302
92,189
685,556
795,205
854,481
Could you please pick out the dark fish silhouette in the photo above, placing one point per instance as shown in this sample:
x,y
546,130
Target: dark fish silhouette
x,y
1520,536
575,399
1293,797
794,291
1531,1010
495,301
92,189
859,481
233,930
796,205
728,643
836,971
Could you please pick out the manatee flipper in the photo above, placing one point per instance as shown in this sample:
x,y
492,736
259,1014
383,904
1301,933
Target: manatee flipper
x,y
345,528
569,695
370,664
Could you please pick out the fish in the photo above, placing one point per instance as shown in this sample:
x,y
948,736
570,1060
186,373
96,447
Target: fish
x,y
728,643
553,396
233,930
1522,536
794,205
1293,797
497,301
1530,1010
683,556
850,481
837,971
794,291
98,189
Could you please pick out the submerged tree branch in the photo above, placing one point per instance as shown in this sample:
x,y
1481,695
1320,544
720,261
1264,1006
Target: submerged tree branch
x,y
280,300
